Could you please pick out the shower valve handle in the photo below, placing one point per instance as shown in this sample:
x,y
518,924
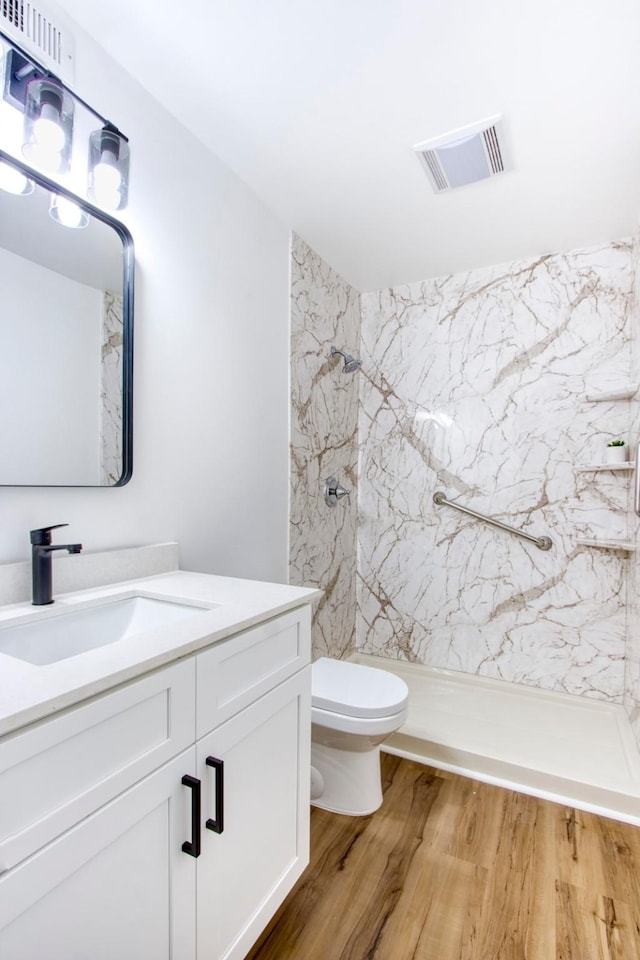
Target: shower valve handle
x,y
334,491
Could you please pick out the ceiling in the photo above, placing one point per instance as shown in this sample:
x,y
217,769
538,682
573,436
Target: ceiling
x,y
317,105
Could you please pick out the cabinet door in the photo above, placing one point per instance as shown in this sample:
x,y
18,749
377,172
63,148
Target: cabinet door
x,y
54,774
246,871
116,886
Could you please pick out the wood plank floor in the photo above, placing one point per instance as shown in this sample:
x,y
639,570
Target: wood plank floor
x,y
454,869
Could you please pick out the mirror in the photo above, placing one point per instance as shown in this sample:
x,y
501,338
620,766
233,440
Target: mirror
x,y
66,364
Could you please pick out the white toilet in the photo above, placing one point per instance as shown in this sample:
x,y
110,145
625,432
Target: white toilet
x,y
353,709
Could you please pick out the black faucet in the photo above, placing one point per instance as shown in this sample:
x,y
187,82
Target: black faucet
x,y
41,557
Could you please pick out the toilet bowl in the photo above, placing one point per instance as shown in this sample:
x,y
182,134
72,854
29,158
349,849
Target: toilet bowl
x,y
353,709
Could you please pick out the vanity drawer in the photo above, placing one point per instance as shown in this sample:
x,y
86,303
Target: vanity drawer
x,y
234,673
57,772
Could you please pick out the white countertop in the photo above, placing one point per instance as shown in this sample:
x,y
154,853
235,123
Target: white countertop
x,y
29,692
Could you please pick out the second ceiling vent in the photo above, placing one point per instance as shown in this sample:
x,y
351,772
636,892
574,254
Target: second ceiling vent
x,y
463,156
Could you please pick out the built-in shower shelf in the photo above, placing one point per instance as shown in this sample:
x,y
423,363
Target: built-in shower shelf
x,y
597,467
625,392
625,545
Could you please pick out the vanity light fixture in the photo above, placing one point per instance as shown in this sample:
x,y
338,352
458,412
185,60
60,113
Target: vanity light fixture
x,y
67,213
12,181
108,168
48,108
48,125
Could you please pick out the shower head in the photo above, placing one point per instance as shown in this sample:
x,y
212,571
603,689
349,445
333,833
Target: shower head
x,y
350,363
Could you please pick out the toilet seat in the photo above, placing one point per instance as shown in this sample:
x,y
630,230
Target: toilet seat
x,y
366,728
353,690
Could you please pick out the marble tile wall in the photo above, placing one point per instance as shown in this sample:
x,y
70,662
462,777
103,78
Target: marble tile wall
x,y
475,385
111,389
325,311
632,662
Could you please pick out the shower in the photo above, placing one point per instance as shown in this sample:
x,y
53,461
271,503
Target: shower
x,y
350,363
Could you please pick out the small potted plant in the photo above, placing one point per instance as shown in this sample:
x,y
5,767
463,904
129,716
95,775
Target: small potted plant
x,y
616,452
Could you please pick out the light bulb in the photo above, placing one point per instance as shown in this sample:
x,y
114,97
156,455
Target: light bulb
x,y
106,176
39,156
107,181
47,131
108,168
68,213
12,181
48,125
109,200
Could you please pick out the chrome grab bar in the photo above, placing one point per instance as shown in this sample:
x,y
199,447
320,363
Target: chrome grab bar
x,y
636,499
543,543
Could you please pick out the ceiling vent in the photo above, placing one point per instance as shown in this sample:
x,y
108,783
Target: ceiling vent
x,y
464,156
41,34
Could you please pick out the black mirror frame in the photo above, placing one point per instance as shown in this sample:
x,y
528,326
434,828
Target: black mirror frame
x,y
128,271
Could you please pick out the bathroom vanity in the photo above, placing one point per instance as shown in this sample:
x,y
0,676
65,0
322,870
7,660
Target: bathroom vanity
x,y
154,790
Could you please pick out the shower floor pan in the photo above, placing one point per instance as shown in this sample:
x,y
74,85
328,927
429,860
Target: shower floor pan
x,y
572,750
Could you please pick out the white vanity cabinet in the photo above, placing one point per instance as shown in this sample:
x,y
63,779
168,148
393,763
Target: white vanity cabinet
x,y
102,807
245,872
116,885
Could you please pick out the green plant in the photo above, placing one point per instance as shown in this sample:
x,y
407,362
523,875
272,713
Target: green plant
x,y
616,443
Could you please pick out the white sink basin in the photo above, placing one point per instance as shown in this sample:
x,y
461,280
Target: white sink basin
x,y
71,633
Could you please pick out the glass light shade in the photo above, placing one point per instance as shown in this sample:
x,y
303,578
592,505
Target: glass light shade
x,y
108,169
48,125
12,181
68,213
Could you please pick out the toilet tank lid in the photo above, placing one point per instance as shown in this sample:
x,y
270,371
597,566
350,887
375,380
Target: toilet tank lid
x,y
355,690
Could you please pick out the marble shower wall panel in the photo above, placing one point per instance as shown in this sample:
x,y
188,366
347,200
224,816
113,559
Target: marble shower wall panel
x,y
632,662
325,311
111,389
475,386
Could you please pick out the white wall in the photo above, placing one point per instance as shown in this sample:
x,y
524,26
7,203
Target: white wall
x,y
211,359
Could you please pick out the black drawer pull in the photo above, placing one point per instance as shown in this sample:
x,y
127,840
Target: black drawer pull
x,y
217,825
192,847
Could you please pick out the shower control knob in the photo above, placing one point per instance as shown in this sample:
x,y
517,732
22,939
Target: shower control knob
x,y
334,491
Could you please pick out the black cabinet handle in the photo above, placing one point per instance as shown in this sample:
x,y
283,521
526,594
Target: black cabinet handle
x,y
192,847
217,825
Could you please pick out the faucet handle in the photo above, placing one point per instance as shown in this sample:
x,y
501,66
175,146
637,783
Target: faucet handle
x,y
333,491
42,536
